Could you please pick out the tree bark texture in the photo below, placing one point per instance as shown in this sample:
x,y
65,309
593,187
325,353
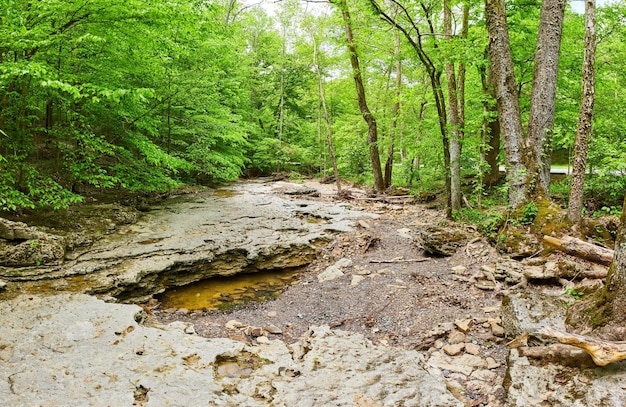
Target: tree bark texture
x,y
543,99
585,116
372,130
507,100
453,117
580,248
490,143
395,114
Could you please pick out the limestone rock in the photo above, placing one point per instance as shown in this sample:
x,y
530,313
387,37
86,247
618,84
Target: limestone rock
x,y
530,384
453,350
529,310
181,241
334,271
518,242
443,241
69,350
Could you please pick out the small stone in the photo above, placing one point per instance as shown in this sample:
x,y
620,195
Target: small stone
x,y
497,330
405,232
439,344
182,311
459,269
356,280
491,309
492,364
255,331
189,329
456,337
472,348
453,350
488,269
271,314
262,340
273,329
3,284
364,272
463,325
363,224
233,325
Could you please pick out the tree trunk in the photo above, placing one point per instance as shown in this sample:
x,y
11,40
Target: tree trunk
x,y
585,116
490,139
507,100
580,248
372,131
454,119
329,134
604,311
395,114
543,99
434,74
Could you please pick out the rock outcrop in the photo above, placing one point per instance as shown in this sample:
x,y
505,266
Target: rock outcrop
x,y
245,229
73,349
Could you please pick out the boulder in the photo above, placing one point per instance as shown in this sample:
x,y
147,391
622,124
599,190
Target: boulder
x,y
529,310
443,241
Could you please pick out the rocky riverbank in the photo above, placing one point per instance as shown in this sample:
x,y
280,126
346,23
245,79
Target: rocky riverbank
x,y
375,320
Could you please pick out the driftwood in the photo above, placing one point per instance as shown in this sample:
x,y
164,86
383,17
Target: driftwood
x,y
580,248
558,353
602,352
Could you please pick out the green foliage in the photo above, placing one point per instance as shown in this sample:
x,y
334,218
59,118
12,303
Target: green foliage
x,y
487,222
529,213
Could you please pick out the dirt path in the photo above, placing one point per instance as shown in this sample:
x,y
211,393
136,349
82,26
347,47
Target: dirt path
x,y
389,291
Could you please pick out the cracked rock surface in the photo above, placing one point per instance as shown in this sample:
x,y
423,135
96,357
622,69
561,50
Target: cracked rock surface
x,y
73,349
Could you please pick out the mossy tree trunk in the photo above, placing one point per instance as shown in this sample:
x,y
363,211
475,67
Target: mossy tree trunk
x,y
604,312
585,117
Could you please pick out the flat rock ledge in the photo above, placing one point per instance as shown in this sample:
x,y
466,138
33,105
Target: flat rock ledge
x,y
247,228
73,349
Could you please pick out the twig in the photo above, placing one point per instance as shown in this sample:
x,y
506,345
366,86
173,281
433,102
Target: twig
x,y
399,260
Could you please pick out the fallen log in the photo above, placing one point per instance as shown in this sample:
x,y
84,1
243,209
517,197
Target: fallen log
x,y
580,248
602,352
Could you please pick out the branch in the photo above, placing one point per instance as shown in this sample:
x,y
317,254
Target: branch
x,y
602,352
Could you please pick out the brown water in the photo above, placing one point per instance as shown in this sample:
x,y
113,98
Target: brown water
x,y
227,292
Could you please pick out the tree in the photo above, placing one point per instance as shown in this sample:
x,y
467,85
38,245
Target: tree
x,y
507,98
527,158
326,115
372,130
585,116
603,311
543,99
405,23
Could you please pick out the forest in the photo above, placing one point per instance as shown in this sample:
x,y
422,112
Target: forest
x,y
141,96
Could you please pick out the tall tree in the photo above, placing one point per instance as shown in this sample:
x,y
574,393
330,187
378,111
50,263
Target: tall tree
x,y
585,116
406,24
395,113
543,99
505,87
372,130
326,115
